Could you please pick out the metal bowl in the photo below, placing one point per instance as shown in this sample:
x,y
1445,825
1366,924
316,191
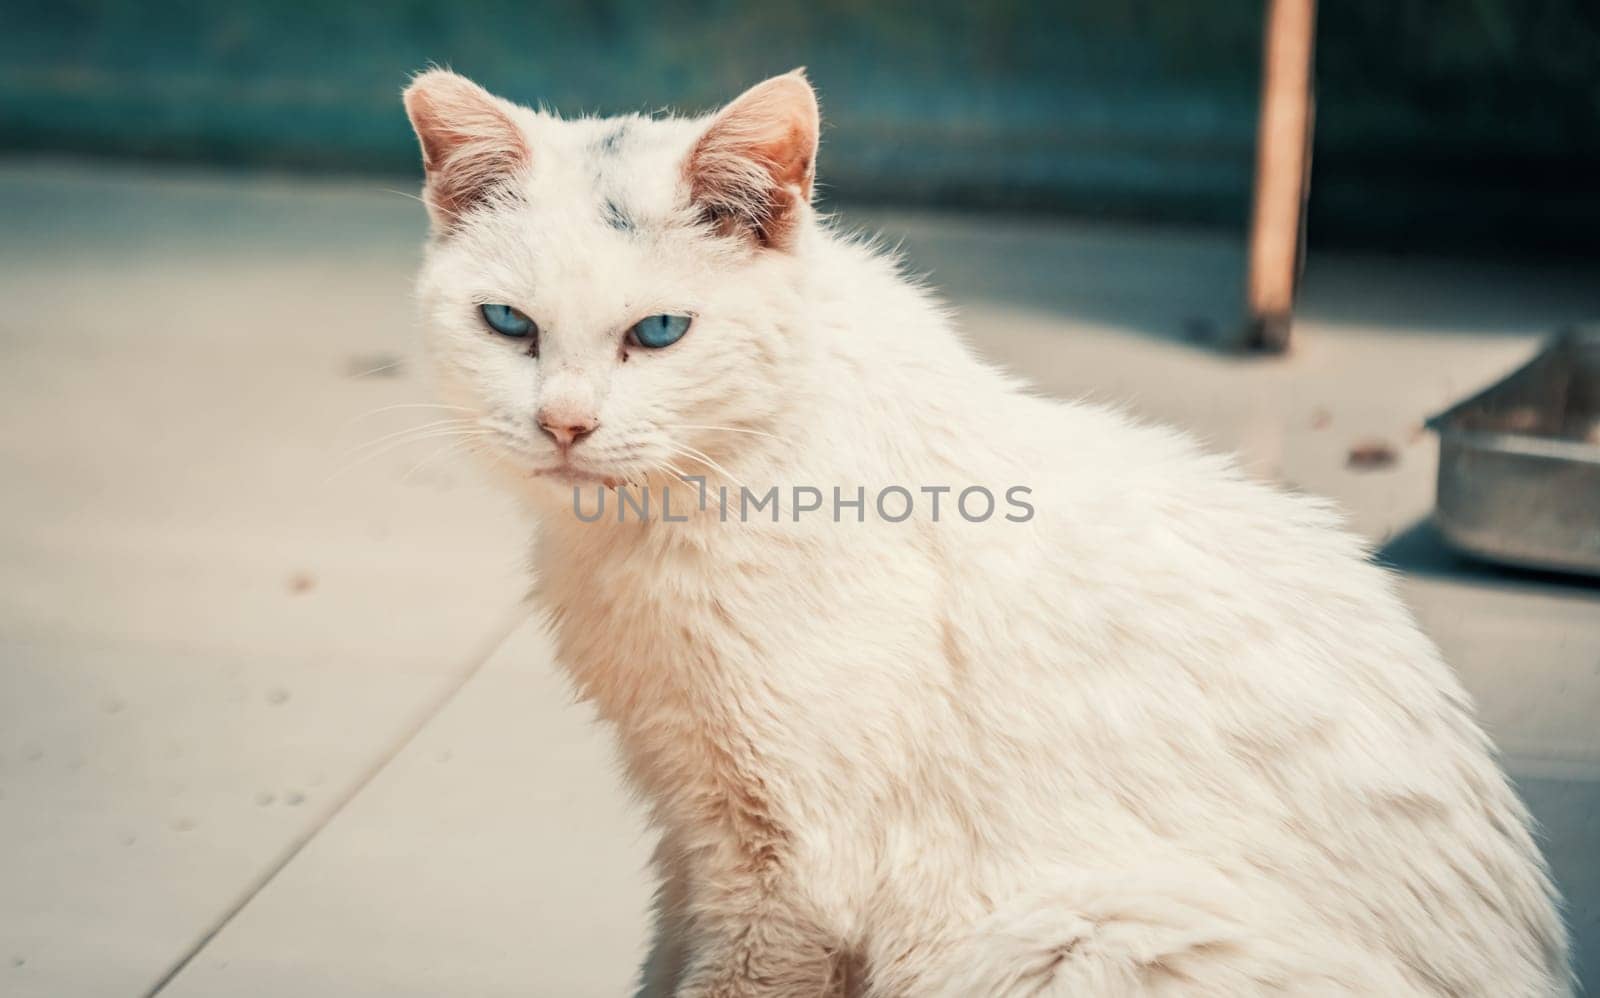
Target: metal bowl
x,y
1519,462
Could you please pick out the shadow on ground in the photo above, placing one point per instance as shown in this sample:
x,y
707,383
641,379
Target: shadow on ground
x,y
1422,550
1568,814
1186,285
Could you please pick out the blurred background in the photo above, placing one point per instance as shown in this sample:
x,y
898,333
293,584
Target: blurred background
x,y
273,718
1443,126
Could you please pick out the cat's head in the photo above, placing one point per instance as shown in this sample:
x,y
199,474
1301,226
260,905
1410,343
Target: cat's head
x,y
609,296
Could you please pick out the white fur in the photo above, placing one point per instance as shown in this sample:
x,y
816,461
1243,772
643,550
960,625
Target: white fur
x,y
1174,735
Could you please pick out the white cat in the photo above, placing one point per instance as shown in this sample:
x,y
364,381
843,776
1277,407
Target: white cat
x,y
1168,733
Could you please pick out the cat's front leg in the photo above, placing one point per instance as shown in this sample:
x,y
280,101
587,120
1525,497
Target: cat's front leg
x,y
669,949
763,961
749,941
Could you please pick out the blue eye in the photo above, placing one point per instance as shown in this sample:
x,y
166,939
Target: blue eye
x,y
507,321
659,331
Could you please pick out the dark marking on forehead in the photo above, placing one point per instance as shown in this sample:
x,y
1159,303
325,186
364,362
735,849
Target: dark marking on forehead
x,y
611,141
616,216
605,150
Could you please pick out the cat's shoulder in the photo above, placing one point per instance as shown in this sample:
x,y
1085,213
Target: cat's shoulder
x,y
1106,463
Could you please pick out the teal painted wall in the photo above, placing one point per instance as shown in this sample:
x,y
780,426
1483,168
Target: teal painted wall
x,y
1437,121
1466,123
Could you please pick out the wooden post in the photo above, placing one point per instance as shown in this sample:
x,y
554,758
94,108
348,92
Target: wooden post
x,y
1283,172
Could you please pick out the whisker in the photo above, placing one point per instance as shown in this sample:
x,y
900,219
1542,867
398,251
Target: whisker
x,y
679,473
416,436
699,455
399,405
729,429
683,450
436,424
450,448
436,434
424,202
369,372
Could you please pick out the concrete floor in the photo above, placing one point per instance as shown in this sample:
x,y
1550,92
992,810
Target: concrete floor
x,y
272,720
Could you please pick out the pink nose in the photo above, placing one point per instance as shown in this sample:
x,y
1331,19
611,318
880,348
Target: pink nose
x,y
566,427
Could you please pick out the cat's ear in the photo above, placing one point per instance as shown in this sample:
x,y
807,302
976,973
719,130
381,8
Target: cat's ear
x,y
752,169
470,142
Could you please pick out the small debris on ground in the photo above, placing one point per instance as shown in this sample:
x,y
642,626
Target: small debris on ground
x,y
302,582
277,695
374,365
294,798
1370,455
1321,419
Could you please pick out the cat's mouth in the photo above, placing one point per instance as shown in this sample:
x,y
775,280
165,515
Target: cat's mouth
x,y
570,474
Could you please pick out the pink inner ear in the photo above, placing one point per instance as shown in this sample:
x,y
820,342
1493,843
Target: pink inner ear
x,y
753,168
470,144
